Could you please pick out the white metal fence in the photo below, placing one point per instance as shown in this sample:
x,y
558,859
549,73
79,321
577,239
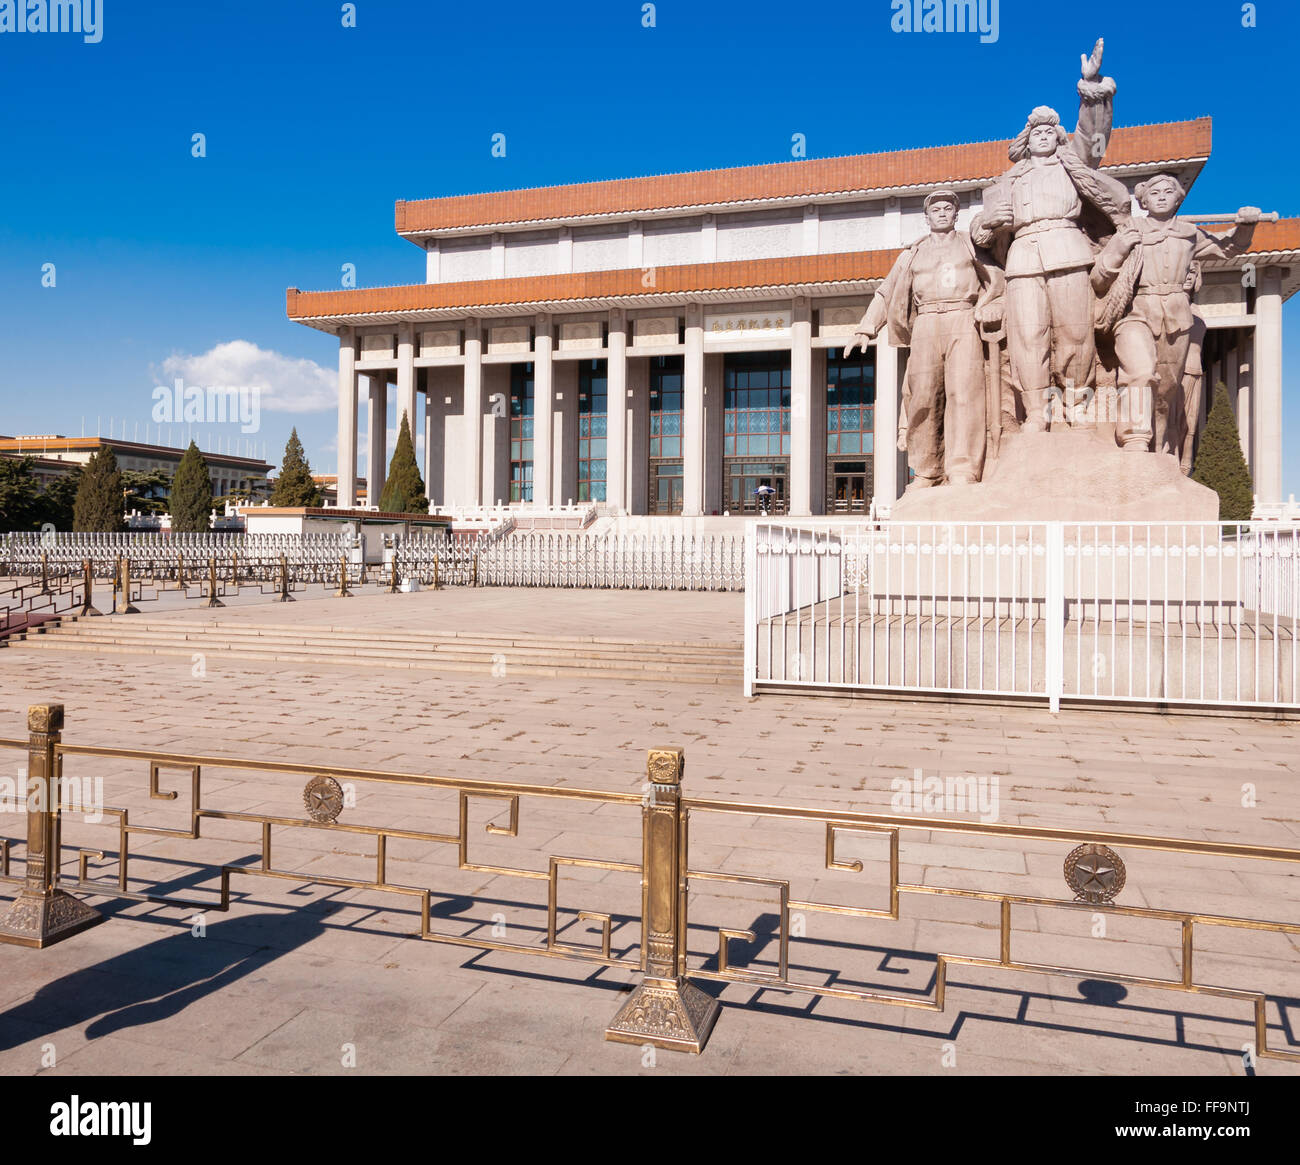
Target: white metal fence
x,y
1173,613
629,562
61,555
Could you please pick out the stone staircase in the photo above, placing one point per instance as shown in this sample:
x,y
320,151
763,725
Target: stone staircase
x,y
481,653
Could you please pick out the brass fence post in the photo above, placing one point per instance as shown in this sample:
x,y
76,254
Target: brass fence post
x,y
88,585
45,573
285,596
436,584
343,592
474,581
392,582
180,572
122,589
666,1010
42,914
213,601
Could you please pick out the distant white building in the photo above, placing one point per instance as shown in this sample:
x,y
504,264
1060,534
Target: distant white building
x,y
226,471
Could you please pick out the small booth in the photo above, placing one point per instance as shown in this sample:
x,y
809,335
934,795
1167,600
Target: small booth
x,y
373,529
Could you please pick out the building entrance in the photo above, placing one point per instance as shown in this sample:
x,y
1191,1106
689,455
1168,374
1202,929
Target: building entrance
x,y
745,478
666,487
848,486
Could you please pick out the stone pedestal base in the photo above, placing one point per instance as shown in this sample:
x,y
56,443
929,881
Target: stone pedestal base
x,y
676,1016
37,920
1067,475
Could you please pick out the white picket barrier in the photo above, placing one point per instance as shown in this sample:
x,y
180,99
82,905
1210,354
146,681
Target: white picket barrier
x,y
1138,613
701,562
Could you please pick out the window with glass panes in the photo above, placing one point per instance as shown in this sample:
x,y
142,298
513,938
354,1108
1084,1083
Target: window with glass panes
x,y
756,395
850,402
593,413
521,432
665,406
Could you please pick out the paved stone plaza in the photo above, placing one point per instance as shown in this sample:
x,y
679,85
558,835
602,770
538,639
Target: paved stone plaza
x,y
294,974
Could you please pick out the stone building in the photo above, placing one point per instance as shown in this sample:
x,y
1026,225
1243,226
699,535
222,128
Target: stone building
x,y
671,344
226,471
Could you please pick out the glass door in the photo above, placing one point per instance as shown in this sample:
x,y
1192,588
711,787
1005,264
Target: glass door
x,y
666,487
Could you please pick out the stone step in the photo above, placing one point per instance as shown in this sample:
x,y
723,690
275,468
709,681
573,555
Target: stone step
x,y
360,641
574,666
299,629
348,654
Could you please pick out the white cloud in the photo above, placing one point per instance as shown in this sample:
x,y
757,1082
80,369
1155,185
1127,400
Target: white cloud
x,y
286,384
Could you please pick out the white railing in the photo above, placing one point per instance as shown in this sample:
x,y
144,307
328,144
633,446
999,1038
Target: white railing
x,y
613,561
1287,511
1159,613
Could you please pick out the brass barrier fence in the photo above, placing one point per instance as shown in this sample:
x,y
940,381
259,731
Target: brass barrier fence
x,y
666,1009
212,578
27,604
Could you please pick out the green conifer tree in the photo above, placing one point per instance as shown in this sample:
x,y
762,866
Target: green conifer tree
x,y
58,502
404,488
190,502
99,507
1219,461
294,484
20,499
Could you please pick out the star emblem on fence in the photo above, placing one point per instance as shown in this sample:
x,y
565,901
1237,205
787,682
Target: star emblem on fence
x,y
1095,873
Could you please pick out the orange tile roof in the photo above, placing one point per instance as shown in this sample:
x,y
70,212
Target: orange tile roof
x,y
1283,235
848,267
680,280
1166,142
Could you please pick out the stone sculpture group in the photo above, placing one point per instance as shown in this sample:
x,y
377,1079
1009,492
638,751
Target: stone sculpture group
x,y
1008,323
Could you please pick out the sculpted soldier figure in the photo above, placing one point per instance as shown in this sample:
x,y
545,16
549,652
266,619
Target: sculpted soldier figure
x,y
934,297
1147,272
1193,373
1045,211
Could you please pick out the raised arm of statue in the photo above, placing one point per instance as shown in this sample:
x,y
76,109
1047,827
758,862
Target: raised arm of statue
x,y
1210,246
1096,109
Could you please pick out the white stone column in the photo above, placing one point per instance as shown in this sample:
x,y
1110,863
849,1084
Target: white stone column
x,y
406,394
1245,380
496,434
543,413
376,437
885,488
347,476
616,419
801,409
1267,396
693,415
473,419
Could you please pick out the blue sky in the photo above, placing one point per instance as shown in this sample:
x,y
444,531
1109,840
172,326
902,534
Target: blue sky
x,y
313,130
